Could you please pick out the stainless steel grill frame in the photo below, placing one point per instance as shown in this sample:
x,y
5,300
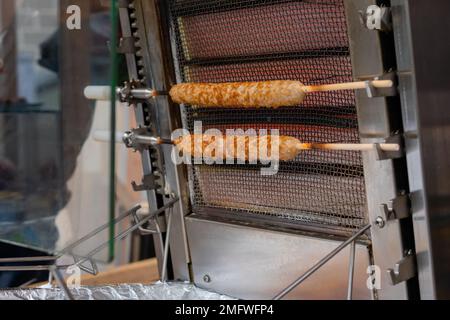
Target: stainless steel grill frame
x,y
237,255
255,41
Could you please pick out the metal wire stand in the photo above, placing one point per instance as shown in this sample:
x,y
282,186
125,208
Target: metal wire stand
x,y
324,260
54,268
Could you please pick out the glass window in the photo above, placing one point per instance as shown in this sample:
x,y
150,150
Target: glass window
x,y
55,183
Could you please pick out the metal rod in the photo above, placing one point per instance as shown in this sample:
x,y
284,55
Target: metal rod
x,y
73,245
128,231
60,253
28,283
319,264
28,259
61,282
351,271
146,140
166,248
63,251
99,229
31,268
143,94
24,268
50,278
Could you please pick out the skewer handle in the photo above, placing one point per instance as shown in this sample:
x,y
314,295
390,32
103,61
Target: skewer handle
x,y
349,86
101,93
349,146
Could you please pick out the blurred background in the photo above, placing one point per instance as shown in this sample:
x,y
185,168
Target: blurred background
x,y
55,175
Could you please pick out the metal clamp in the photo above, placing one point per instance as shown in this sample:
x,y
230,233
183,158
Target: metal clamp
x,y
373,92
377,18
133,92
403,270
149,182
385,155
138,139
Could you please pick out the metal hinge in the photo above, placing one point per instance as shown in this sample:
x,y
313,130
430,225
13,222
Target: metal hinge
x,y
377,18
398,208
403,270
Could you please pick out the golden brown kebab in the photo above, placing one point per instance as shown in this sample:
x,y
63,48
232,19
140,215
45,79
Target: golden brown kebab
x,y
271,94
246,147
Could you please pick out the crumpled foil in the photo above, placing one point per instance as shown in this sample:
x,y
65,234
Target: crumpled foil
x,y
157,291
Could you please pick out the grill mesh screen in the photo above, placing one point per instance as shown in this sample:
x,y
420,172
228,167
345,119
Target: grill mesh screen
x,y
224,41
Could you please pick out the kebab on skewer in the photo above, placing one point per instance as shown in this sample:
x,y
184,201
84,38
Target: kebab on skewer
x,y
247,147
262,94
269,94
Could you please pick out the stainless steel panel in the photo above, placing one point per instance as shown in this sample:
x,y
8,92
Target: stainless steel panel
x,y
374,124
250,263
156,59
125,24
422,49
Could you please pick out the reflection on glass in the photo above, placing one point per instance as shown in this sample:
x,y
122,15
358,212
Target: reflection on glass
x,y
54,183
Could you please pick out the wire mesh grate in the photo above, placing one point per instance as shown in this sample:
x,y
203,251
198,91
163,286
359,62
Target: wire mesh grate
x,y
227,41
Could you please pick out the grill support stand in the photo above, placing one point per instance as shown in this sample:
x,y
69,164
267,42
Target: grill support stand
x,y
323,261
54,269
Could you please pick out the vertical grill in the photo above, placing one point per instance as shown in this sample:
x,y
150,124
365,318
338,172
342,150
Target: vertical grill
x,y
225,41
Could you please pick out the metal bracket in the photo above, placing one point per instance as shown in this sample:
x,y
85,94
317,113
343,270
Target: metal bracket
x,y
139,139
403,270
385,155
373,92
398,208
377,18
148,183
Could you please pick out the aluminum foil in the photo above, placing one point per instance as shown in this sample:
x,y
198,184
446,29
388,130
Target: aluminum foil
x,y
157,291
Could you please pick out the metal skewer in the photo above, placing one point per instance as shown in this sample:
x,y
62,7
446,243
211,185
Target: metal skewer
x,y
103,93
350,146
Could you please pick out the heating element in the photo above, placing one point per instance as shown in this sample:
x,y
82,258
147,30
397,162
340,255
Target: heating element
x,y
229,41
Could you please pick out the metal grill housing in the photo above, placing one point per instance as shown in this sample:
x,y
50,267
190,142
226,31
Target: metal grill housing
x,y
243,40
